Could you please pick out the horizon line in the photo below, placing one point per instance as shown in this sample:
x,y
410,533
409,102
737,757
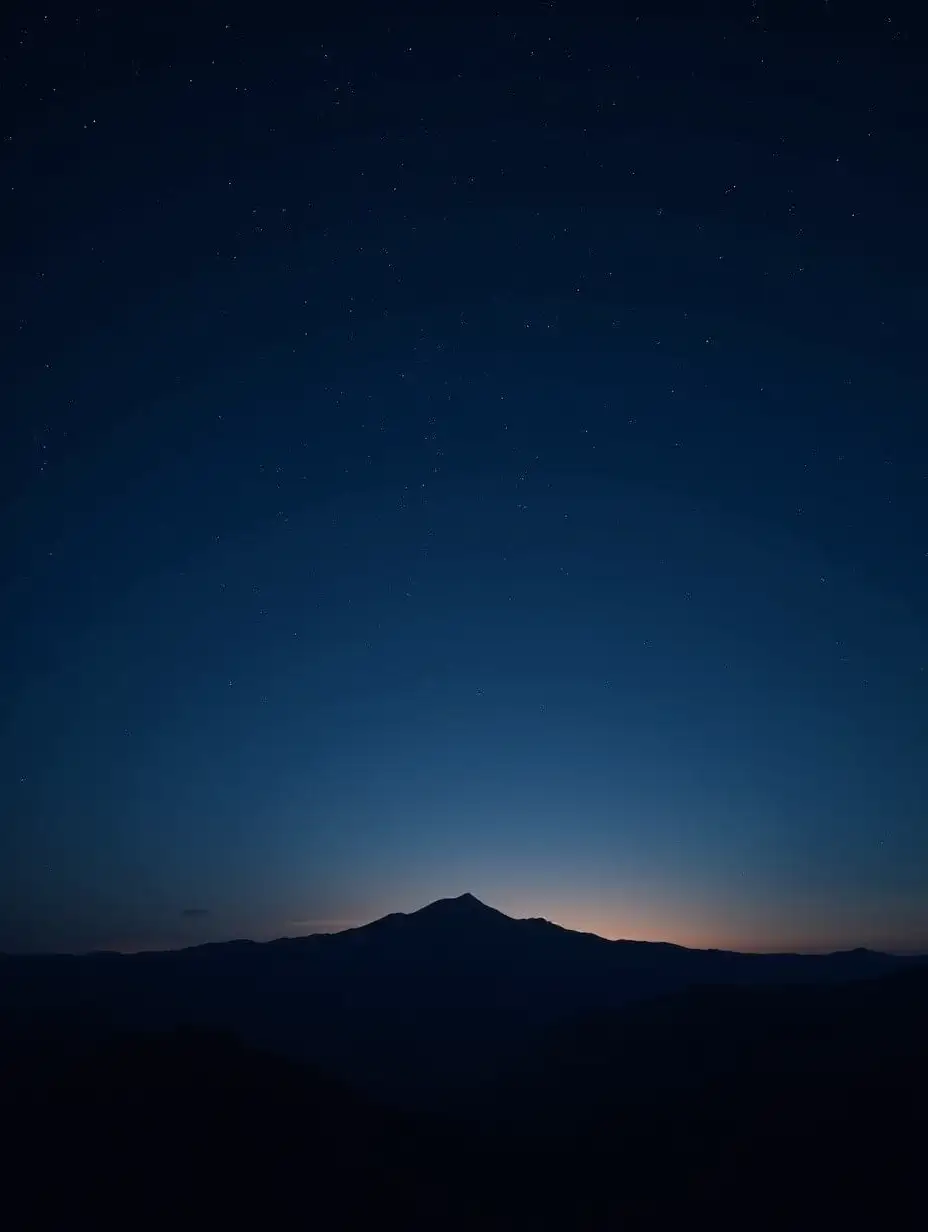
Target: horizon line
x,y
334,927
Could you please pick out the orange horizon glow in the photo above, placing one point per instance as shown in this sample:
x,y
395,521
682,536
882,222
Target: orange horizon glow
x,y
697,931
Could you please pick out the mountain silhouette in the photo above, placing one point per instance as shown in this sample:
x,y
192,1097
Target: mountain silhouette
x,y
461,905
464,913
465,910
408,1006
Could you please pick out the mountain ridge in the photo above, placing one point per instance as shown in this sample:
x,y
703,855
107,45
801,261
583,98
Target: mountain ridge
x,y
464,909
467,907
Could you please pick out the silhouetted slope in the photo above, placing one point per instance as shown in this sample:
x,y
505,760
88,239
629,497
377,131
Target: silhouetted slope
x,y
693,1040
798,1107
409,1005
191,1126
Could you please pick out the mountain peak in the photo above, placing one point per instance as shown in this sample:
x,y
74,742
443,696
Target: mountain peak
x,y
462,903
464,908
468,900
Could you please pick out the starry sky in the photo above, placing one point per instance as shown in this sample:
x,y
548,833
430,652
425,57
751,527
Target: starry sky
x,y
480,453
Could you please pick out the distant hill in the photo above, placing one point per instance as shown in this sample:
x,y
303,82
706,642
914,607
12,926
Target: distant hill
x,y
697,1041
799,1107
407,1006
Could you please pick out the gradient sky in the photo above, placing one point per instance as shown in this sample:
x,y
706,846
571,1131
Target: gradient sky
x,y
461,455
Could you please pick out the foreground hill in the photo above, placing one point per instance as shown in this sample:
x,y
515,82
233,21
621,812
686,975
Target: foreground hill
x,y
191,1128
764,1107
408,1006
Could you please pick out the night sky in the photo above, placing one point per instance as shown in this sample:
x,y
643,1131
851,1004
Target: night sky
x,y
476,453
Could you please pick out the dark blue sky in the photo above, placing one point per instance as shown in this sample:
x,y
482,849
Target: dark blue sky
x,y
485,455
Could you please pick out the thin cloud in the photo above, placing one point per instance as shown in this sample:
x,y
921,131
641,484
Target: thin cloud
x,y
325,926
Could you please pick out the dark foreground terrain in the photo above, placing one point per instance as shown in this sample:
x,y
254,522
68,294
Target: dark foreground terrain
x,y
415,1009
793,1106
